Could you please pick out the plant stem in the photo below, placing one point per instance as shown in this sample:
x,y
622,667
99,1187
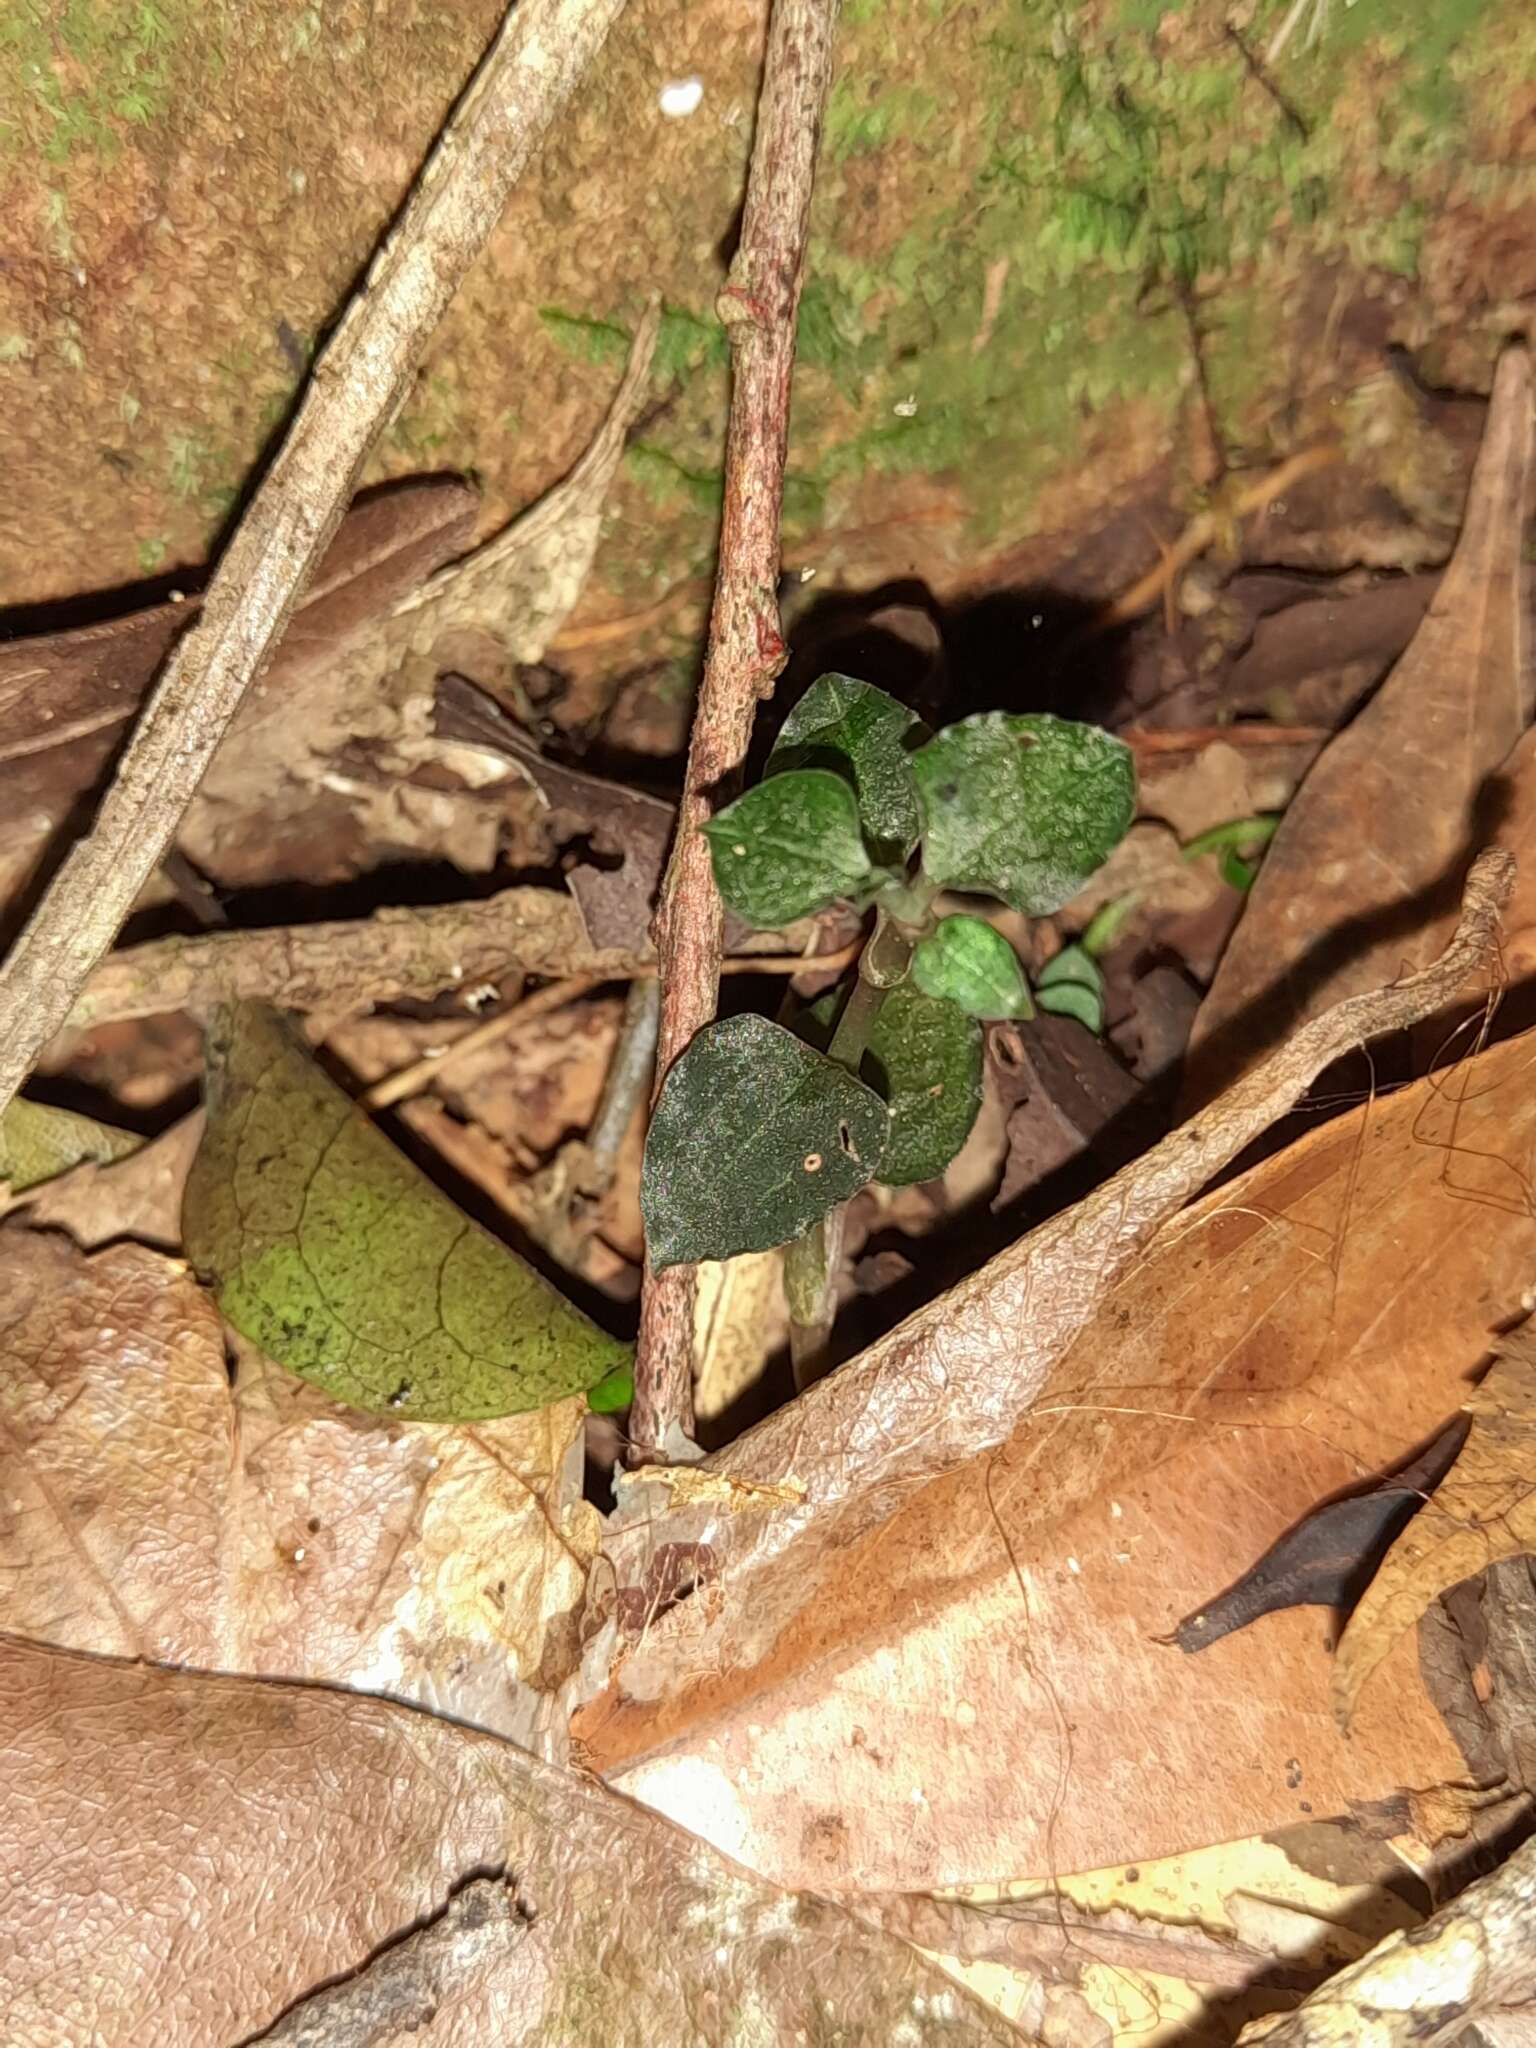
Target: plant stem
x,y
758,306
811,1263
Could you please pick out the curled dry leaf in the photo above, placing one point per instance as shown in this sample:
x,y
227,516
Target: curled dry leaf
x,y
153,1510
854,1716
1359,883
1484,1509
628,1932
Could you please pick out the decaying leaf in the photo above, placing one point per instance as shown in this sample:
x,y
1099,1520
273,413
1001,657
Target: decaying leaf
x,y
151,1509
1472,1961
38,1141
629,1933
1329,1558
753,1139
1277,1342
1359,883
1483,1510
632,829
330,1251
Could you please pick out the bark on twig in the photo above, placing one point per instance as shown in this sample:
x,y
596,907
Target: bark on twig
x,y
357,384
759,306
404,1987
1475,1956
339,967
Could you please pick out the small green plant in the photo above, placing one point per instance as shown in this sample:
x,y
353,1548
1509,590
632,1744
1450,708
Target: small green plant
x,y
765,1129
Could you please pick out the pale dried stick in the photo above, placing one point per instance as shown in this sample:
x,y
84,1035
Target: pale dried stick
x,y
746,647
1474,1958
357,384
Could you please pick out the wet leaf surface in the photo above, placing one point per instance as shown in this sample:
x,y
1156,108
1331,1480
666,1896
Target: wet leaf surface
x,y
925,1056
1482,1511
754,1138
335,1256
970,963
1022,807
790,846
858,731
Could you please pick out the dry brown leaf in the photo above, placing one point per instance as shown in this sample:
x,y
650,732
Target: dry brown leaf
x,y
185,1856
1359,883
149,1509
66,698
978,1688
953,1381
1483,1509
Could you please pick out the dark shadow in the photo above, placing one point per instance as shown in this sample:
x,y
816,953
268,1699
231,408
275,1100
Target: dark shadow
x,y
1028,649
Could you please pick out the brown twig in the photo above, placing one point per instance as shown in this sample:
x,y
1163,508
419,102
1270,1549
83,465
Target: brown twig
x,y
356,386
404,1987
746,647
345,965
1199,535
419,1074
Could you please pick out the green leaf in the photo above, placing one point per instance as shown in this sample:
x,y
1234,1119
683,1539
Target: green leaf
x,y
1072,985
925,1055
865,736
755,1137
327,1248
788,847
1023,807
964,960
38,1141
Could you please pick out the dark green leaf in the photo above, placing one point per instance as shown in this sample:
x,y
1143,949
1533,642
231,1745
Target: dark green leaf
x,y
788,847
38,1141
1072,985
1023,807
755,1137
925,1056
862,734
964,960
328,1249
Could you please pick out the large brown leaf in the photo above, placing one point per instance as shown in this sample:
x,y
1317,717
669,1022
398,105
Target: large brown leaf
x,y
978,1688
150,1509
1361,880
184,1857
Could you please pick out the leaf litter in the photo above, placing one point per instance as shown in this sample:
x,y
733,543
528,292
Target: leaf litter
x,y
937,1586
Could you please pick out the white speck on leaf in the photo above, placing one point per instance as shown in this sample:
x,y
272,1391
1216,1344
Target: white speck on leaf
x,y
681,97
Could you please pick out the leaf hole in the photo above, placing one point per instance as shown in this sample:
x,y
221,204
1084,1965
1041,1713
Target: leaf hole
x,y
401,1395
845,1141
812,1162
1008,1050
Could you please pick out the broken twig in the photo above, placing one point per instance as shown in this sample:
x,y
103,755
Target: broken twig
x,y
355,388
746,647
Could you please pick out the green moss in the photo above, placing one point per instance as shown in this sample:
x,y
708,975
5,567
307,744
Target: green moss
x,y
74,74
862,115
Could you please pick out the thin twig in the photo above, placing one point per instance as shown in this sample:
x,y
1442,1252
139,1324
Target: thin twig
x,y
405,1986
356,386
1198,536
419,1074
746,647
